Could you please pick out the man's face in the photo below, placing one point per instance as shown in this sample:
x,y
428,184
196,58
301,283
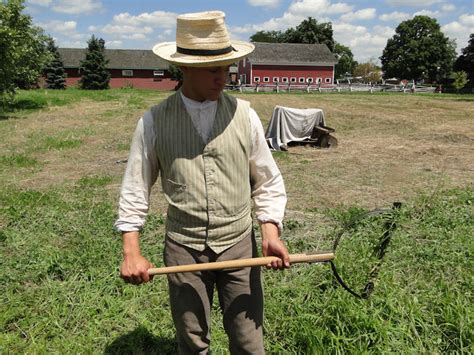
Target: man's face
x,y
206,83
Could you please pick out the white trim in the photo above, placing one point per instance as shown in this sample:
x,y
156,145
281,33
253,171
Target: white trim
x,y
276,79
127,73
314,64
284,79
266,79
293,79
327,80
256,79
301,80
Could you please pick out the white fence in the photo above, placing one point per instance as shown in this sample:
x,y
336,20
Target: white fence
x,y
333,88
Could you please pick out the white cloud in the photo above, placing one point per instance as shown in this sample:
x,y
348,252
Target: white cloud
x,y
460,30
364,14
160,19
395,16
427,13
297,12
265,3
448,7
412,2
40,2
77,7
467,20
317,8
365,44
114,44
63,27
125,29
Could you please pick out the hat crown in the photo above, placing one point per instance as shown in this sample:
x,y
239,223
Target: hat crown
x,y
202,31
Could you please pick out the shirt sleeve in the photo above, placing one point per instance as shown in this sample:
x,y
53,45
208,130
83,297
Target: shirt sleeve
x,y
140,175
268,188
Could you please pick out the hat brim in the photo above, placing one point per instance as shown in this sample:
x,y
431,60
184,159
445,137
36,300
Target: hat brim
x,y
167,51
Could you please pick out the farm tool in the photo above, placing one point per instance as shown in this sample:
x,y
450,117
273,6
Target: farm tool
x,y
378,252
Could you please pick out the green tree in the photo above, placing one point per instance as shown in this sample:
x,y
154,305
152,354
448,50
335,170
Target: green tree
x,y
311,32
465,62
176,74
54,70
23,49
346,62
369,72
267,36
418,49
95,75
460,80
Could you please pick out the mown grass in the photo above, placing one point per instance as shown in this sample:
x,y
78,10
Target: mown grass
x,y
59,290
59,255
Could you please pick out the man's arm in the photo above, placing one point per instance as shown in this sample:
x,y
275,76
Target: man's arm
x,y
140,175
268,193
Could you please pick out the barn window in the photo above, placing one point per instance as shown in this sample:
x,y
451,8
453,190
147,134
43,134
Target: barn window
x,y
256,79
127,72
319,80
328,80
309,80
158,73
266,79
284,80
276,79
293,80
302,80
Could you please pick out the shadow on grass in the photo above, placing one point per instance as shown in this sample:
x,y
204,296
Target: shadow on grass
x,y
141,341
6,112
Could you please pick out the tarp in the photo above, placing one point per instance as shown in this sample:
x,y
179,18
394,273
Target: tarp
x,y
292,125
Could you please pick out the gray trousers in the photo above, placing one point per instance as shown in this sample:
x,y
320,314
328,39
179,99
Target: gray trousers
x,y
240,297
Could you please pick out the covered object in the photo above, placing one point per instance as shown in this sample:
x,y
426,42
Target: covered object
x,y
295,125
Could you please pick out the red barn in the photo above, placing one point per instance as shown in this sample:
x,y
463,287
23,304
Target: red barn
x,y
288,63
128,67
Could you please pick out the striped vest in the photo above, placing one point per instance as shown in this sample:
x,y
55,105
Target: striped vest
x,y
207,186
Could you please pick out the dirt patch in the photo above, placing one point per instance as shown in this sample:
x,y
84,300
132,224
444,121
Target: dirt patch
x,y
390,147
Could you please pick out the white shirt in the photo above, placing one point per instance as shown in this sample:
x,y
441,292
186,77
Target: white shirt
x,y
268,189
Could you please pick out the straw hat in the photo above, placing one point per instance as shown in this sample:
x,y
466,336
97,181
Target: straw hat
x,y
202,41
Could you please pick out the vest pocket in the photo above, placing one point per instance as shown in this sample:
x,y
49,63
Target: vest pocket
x,y
176,192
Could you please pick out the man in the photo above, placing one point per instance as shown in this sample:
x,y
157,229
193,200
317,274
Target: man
x,y
210,151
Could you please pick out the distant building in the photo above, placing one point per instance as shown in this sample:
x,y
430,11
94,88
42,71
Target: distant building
x,y
288,63
128,67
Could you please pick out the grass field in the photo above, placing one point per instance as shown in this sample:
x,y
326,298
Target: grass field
x,y
62,157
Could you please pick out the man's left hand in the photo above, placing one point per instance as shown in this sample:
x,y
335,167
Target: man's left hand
x,y
272,245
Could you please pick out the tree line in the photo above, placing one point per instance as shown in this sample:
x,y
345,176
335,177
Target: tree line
x,y
419,50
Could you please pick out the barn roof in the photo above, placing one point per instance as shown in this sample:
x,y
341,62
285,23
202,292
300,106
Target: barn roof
x,y
292,53
118,58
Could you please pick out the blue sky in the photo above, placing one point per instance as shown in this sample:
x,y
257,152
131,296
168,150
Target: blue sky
x,y
363,25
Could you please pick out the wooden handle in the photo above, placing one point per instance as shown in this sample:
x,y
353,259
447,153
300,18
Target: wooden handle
x,y
236,264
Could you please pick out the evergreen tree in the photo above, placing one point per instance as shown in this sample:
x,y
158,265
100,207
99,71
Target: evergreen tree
x,y
54,70
95,75
418,49
465,61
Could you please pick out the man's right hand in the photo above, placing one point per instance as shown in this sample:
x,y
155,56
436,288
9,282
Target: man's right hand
x,y
134,267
